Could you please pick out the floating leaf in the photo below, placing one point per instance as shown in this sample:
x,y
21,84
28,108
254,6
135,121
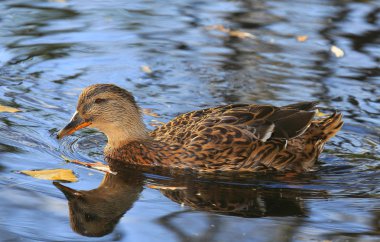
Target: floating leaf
x,y
99,166
240,34
302,38
54,174
218,27
149,112
232,33
8,109
338,52
146,69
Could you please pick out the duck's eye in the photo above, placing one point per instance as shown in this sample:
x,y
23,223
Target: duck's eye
x,y
100,100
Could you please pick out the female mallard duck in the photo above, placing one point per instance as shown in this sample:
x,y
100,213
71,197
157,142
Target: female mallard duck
x,y
237,137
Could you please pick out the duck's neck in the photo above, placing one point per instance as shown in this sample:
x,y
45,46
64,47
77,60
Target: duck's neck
x,y
120,136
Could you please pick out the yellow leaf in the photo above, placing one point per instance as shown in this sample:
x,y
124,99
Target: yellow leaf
x,y
54,174
149,112
338,52
240,34
232,33
146,69
8,109
218,27
302,38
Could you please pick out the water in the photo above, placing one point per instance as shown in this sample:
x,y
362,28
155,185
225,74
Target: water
x,y
50,50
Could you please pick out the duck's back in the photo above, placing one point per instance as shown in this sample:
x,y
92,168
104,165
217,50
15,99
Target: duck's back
x,y
261,122
250,137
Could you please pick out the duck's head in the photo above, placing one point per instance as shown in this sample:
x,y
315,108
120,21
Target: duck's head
x,y
110,109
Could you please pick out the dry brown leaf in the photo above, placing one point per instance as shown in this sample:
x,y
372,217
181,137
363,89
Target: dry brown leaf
x,y
54,174
240,34
232,33
302,38
218,27
149,112
338,52
99,166
8,109
146,69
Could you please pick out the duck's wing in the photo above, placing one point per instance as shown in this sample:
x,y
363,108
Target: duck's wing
x,y
304,106
262,122
266,121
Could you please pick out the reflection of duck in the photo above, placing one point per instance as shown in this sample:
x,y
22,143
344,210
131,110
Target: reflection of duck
x,y
238,137
96,212
237,201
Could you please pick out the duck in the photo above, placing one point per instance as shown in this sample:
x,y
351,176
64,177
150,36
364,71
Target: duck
x,y
221,139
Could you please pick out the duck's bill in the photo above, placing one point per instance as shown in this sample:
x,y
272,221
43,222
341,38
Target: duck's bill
x,y
76,123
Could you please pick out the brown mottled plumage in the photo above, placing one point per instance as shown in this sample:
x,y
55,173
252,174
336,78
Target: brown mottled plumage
x,y
238,137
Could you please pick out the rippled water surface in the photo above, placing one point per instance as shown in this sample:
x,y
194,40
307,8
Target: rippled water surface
x,y
50,50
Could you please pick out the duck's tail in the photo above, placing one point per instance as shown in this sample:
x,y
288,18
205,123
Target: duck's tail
x,y
298,153
325,129
314,139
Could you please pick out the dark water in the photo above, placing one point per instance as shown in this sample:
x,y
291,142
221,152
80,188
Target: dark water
x,y
50,50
